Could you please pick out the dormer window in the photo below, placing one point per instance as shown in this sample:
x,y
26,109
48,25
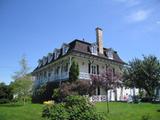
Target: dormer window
x,y
39,63
110,53
44,60
65,48
93,48
50,57
56,53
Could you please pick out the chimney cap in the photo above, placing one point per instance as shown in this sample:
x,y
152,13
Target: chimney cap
x,y
98,28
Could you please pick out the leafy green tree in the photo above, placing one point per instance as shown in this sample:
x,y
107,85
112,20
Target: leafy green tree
x,y
74,71
143,74
22,84
22,88
5,93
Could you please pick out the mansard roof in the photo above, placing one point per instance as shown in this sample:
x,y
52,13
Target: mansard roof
x,y
83,47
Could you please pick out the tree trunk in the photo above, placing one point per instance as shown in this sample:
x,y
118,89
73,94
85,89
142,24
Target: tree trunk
x,y
150,92
107,101
134,92
121,94
23,101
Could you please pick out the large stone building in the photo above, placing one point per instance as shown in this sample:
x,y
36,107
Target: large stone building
x,y
93,58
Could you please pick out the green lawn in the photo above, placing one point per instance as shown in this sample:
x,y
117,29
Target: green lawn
x,y
20,112
118,111
126,111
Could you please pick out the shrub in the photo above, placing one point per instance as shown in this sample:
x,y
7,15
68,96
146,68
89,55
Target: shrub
x,y
74,108
66,89
3,100
59,112
78,101
91,115
136,99
46,112
56,112
75,88
77,106
83,87
146,99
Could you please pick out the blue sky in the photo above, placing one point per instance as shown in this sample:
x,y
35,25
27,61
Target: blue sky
x,y
36,27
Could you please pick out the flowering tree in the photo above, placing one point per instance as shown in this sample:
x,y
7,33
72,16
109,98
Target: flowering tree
x,y
106,80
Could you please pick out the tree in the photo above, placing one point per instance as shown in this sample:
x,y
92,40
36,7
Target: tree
x,y
22,88
22,84
24,69
74,71
143,74
106,80
5,93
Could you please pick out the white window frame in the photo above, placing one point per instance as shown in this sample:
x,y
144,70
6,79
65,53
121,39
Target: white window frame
x,y
44,60
56,53
93,49
110,54
50,56
65,49
40,62
93,69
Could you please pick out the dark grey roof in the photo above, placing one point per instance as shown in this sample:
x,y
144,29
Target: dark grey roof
x,y
83,47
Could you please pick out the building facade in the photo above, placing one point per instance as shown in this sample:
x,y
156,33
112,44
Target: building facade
x,y
92,58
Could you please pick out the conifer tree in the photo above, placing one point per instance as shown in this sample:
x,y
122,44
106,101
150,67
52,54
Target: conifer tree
x,y
74,71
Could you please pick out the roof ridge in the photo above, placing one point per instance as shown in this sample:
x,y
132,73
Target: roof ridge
x,y
82,41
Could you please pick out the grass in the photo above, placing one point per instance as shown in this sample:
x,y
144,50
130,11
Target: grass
x,y
20,112
126,111
118,111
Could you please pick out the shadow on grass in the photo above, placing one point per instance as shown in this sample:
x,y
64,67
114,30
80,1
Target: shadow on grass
x,y
158,110
11,105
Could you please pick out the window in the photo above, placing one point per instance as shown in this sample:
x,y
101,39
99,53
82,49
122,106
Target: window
x,y
107,66
64,67
89,67
49,74
50,56
98,69
39,63
56,53
65,49
93,49
93,69
114,73
44,74
110,53
56,72
44,60
98,90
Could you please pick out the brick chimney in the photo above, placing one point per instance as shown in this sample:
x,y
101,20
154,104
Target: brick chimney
x,y
99,39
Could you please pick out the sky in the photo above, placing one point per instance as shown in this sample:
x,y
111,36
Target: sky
x,y
35,27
